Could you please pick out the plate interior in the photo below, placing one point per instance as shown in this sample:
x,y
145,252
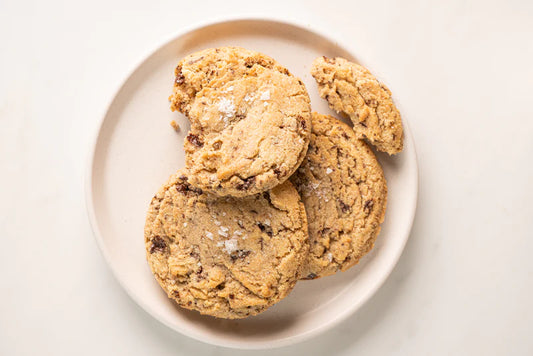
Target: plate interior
x,y
137,150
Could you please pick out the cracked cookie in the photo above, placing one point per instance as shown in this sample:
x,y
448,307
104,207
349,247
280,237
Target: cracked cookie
x,y
352,90
250,120
225,257
344,192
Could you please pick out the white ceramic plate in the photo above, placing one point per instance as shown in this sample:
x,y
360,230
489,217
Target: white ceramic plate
x,y
136,150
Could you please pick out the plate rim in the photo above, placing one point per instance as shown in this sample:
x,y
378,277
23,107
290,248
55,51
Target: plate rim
x,y
327,34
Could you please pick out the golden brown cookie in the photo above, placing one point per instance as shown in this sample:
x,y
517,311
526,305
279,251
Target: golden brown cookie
x,y
352,90
250,120
225,257
344,192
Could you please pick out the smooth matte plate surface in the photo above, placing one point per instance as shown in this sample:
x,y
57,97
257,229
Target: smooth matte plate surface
x,y
136,150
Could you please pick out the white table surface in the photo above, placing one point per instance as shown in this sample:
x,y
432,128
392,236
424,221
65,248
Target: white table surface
x,y
462,72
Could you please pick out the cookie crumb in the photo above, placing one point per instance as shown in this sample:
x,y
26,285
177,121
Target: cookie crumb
x,y
175,126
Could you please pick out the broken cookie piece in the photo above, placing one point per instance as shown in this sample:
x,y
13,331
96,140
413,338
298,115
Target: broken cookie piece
x,y
352,90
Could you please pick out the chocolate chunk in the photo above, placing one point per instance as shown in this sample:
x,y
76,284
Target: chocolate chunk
x,y
344,207
246,183
369,204
176,294
158,244
189,303
186,187
231,296
179,75
277,172
239,254
311,276
200,270
195,140
221,286
362,124
324,231
265,228
182,187
303,124
329,60
345,136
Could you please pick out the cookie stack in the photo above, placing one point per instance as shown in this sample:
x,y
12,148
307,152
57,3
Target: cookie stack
x,y
271,193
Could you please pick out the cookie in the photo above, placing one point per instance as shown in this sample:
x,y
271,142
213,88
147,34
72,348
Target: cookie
x,y
225,257
344,192
250,120
352,90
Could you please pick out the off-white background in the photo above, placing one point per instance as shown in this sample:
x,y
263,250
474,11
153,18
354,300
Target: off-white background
x,y
461,69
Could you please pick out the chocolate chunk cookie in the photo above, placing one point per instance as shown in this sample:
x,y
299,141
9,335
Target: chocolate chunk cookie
x,y
351,89
225,257
250,120
344,192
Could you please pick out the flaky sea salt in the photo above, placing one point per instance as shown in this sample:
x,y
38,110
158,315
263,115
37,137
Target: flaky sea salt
x,y
184,224
237,232
209,235
248,98
330,257
265,95
267,222
217,223
223,231
230,246
329,170
227,107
